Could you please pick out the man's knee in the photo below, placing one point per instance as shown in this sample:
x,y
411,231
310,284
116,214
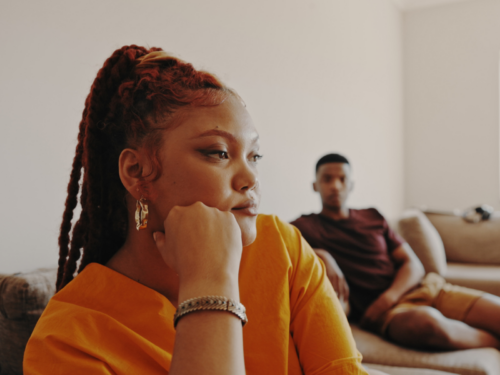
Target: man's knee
x,y
484,314
422,326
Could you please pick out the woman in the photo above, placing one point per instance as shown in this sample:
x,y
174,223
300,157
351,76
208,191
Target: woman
x,y
169,200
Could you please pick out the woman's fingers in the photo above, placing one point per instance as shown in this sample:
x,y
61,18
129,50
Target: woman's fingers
x,y
202,244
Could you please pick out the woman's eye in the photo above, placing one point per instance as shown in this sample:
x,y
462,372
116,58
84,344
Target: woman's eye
x,y
218,154
256,158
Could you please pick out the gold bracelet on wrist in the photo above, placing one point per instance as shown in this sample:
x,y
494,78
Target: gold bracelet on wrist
x,y
211,303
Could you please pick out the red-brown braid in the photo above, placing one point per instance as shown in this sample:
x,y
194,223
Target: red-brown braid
x,y
131,100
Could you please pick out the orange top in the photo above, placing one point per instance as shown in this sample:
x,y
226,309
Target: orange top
x,y
105,323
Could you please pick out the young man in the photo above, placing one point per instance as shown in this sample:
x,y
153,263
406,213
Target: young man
x,y
379,274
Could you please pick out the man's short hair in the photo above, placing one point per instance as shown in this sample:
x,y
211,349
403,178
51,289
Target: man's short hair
x,y
331,158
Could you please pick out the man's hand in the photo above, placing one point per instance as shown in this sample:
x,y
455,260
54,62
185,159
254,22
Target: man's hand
x,y
409,273
375,311
335,275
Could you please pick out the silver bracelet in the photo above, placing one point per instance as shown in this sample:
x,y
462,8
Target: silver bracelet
x,y
211,303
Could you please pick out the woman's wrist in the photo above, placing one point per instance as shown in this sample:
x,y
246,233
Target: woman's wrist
x,y
211,303
226,286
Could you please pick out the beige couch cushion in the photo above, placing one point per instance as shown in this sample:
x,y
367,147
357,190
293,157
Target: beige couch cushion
x,y
475,276
466,242
376,350
391,370
425,241
23,296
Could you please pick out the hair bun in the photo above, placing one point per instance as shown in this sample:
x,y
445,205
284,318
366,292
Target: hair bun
x,y
155,57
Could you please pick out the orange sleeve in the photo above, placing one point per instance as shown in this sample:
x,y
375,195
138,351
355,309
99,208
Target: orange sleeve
x,y
50,356
70,339
319,327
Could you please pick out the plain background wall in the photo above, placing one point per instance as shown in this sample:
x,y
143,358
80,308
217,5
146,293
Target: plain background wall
x,y
317,76
451,64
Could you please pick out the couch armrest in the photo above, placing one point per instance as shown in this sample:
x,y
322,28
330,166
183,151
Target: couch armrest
x,y
425,241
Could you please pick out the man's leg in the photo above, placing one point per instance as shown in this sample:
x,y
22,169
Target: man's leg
x,y
424,327
485,314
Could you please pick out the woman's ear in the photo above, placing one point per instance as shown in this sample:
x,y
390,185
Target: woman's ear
x,y
132,166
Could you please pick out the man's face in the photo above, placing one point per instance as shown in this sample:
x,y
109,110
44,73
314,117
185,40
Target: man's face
x,y
333,184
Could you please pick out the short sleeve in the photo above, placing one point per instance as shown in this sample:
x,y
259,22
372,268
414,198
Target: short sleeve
x,y
49,357
319,327
392,239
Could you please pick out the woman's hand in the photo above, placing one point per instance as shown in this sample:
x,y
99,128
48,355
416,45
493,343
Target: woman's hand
x,y
203,246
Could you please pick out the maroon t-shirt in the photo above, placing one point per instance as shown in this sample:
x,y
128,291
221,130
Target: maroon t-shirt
x,y
361,246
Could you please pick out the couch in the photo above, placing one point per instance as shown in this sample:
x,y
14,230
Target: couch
x,y
23,296
465,254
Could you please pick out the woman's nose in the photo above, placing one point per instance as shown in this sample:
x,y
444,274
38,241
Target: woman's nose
x,y
246,178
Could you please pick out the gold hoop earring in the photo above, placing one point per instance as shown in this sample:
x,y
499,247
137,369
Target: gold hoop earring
x,y
141,214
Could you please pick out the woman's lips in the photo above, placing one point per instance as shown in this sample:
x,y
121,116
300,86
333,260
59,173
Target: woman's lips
x,y
249,209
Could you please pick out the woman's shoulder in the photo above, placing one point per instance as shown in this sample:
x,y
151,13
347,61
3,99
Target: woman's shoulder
x,y
277,240
101,300
271,226
99,293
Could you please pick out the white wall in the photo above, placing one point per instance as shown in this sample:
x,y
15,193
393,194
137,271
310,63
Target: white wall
x,y
317,76
451,64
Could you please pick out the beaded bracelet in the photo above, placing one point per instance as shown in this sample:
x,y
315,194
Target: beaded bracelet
x,y
211,303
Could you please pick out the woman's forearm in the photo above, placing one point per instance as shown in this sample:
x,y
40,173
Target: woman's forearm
x,y
208,342
207,264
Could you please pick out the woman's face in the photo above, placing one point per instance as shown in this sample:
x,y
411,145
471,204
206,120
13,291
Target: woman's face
x,y
211,157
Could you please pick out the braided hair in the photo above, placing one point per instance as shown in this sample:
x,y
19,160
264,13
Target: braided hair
x,y
133,98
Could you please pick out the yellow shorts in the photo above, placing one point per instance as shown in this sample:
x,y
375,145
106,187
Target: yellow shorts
x,y
453,301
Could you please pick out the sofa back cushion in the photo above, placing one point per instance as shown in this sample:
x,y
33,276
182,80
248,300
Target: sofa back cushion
x,y
468,242
23,297
425,241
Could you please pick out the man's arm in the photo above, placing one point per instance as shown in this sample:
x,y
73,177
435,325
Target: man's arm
x,y
336,277
410,272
